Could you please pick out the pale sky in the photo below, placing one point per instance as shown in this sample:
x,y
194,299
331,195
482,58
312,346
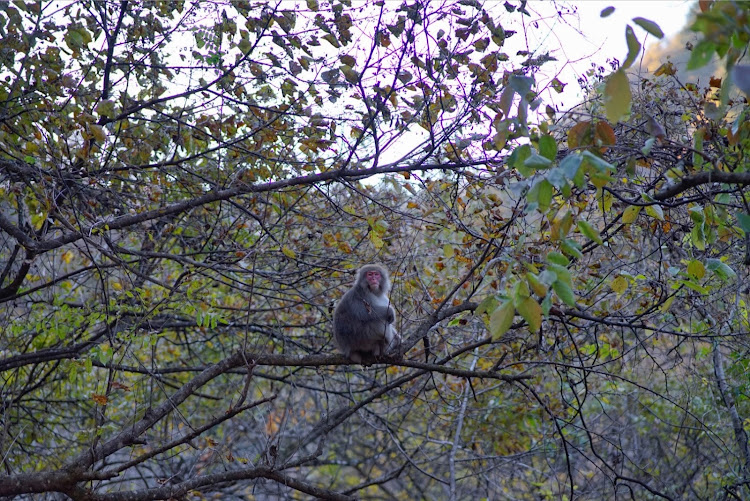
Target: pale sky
x,y
605,37
578,40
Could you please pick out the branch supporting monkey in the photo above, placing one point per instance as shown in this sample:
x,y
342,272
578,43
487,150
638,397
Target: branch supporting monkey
x,y
363,320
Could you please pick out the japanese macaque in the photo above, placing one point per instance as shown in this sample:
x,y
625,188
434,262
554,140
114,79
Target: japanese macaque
x,y
363,320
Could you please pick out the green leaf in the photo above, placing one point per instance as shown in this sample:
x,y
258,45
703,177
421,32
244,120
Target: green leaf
x,y
548,147
561,272
557,258
589,231
597,162
546,304
698,237
521,293
530,310
536,161
696,215
501,319
607,11
650,142
655,211
488,304
698,147
545,195
701,55
571,248
617,96
557,177
564,292
519,156
744,221
721,269
692,285
649,26
634,49
570,165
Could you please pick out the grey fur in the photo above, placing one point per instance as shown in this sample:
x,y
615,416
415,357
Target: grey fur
x,y
362,321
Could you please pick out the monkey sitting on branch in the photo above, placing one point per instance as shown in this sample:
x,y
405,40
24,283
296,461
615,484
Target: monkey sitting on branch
x,y
362,321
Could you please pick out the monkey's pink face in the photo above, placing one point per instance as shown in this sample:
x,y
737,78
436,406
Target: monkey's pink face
x,y
373,278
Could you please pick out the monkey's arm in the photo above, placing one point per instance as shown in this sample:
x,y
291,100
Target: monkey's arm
x,y
391,316
356,307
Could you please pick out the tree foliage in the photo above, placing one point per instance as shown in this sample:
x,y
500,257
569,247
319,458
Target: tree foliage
x,y
187,189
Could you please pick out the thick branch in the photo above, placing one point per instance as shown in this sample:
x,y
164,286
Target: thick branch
x,y
740,178
179,490
126,221
47,481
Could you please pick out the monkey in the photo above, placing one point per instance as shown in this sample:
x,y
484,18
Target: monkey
x,y
363,318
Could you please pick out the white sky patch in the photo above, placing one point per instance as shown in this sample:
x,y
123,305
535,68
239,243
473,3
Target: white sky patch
x,y
576,39
586,37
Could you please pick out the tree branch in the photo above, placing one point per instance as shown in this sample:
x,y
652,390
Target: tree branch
x,y
740,178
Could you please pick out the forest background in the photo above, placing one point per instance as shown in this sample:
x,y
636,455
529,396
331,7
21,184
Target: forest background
x,y
186,189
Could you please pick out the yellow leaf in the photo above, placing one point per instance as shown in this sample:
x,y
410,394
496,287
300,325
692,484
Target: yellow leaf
x,y
667,304
696,269
67,256
531,312
619,285
288,252
655,211
631,214
501,319
97,132
448,250
617,96
377,242
538,287
105,108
